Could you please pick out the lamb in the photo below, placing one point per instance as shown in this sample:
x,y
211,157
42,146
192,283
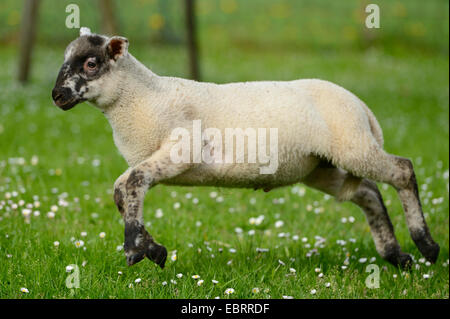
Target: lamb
x,y
327,139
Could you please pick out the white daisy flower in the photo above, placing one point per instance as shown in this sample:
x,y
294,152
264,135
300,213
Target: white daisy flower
x,y
24,290
79,243
159,213
138,280
195,277
56,243
200,282
180,275
255,290
229,291
313,291
102,234
215,282
279,223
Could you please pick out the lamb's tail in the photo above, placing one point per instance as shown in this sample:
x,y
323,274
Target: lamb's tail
x,y
374,126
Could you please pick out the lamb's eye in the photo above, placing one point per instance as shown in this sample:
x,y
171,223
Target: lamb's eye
x,y
90,65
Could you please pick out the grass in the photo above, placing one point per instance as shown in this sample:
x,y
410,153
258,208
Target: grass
x,y
77,161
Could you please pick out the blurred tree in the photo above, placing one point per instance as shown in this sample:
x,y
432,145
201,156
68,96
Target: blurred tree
x,y
192,39
109,20
27,36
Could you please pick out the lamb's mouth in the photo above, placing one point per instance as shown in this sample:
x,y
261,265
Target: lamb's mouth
x,y
67,105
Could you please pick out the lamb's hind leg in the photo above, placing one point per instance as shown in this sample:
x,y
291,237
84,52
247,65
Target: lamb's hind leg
x,y
399,172
374,163
365,194
129,194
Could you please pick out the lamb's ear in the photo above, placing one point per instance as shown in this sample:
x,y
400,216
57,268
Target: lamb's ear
x,y
117,47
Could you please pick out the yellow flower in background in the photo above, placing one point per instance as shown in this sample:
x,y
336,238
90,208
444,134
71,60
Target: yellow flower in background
x,y
280,10
416,29
13,18
156,21
350,33
399,10
205,7
228,6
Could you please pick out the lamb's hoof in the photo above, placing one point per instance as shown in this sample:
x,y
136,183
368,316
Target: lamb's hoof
x,y
426,245
135,258
157,254
405,261
399,259
431,253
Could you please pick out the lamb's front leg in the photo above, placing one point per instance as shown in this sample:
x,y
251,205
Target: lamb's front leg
x,y
129,194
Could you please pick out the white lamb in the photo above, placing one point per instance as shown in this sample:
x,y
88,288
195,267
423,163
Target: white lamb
x,y
327,139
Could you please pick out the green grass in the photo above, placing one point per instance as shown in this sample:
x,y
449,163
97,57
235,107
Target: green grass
x,y
406,87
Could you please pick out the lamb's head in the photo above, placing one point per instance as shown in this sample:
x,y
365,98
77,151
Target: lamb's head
x,y
88,63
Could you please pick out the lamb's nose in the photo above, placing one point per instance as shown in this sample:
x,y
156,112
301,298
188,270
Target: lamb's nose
x,y
56,94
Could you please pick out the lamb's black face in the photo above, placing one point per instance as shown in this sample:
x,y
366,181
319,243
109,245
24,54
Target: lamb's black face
x,y
86,60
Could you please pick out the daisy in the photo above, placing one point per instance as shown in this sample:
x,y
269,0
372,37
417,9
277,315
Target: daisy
x,y
255,290
180,275
159,213
79,243
24,290
195,277
200,282
229,291
279,223
102,234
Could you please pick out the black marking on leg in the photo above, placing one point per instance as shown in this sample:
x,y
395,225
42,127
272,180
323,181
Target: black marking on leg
x,y
118,199
137,241
136,179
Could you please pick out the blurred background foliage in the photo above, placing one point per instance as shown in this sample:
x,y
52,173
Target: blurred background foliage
x,y
412,25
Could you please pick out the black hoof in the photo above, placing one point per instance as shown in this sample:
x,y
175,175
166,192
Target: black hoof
x,y
426,245
157,254
405,261
135,258
431,253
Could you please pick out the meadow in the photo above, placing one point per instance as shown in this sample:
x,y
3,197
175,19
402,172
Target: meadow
x,y
57,168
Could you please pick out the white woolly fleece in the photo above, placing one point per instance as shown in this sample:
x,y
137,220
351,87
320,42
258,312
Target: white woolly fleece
x,y
315,119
